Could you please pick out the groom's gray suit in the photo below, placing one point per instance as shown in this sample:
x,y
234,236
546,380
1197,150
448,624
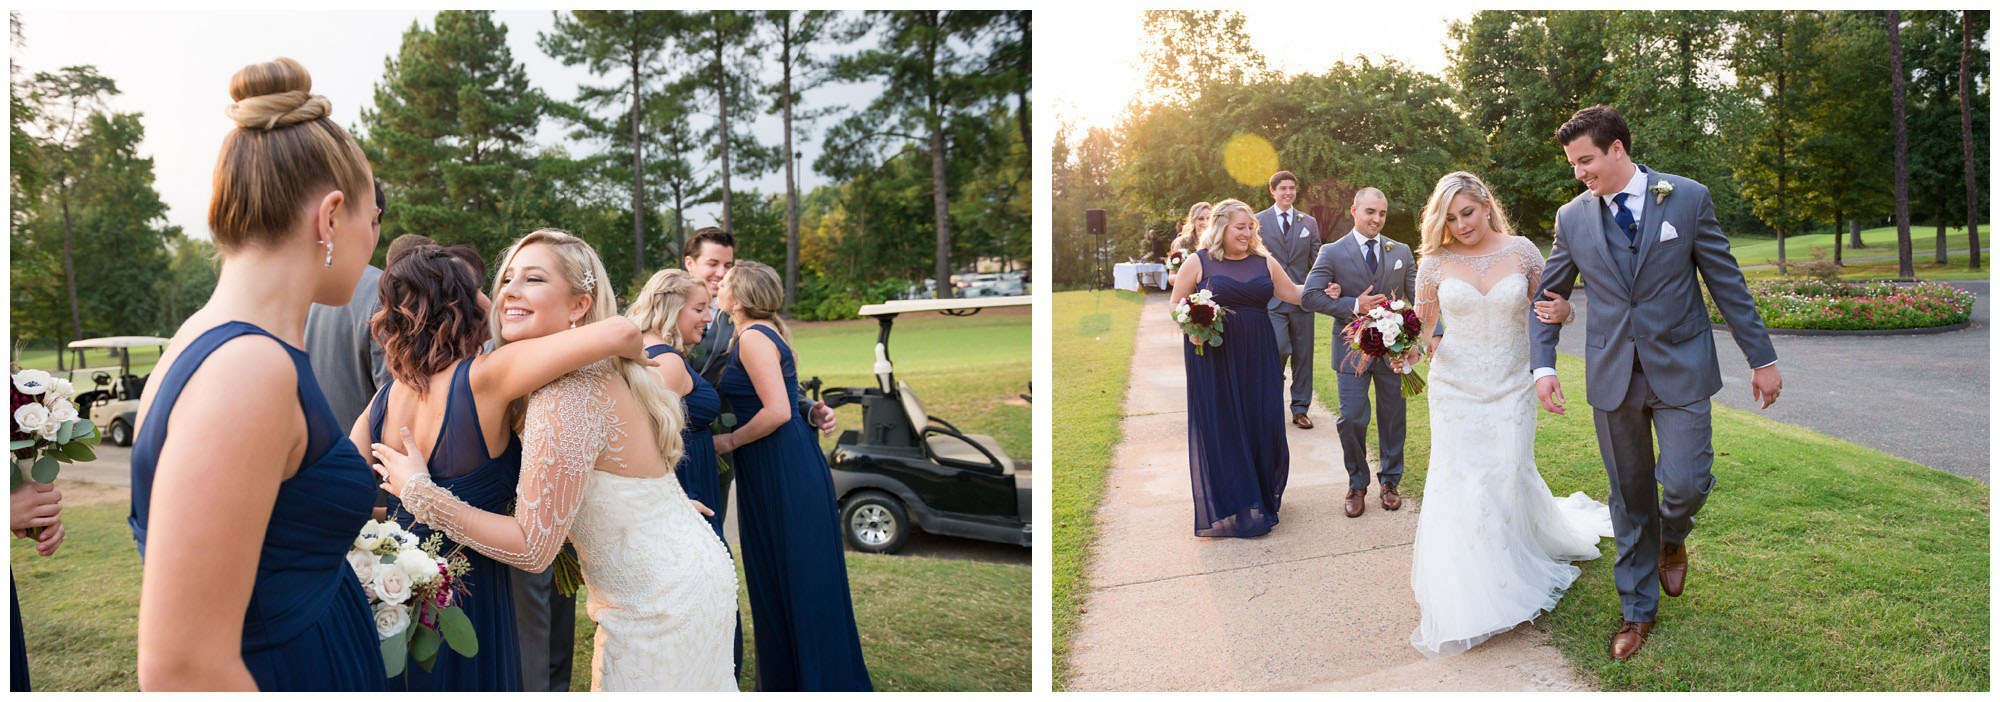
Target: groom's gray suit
x,y
1649,360
1395,275
1294,247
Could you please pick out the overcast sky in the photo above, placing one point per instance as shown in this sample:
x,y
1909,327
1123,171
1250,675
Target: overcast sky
x,y
174,67
1292,40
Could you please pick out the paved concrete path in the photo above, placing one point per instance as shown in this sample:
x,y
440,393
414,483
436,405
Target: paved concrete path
x,y
1321,603
1925,398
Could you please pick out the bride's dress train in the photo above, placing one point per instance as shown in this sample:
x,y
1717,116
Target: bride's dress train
x,y
1493,546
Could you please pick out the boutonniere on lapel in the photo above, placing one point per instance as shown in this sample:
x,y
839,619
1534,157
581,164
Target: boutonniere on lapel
x,y
1661,190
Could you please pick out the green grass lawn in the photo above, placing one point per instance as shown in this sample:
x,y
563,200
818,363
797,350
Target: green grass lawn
x,y
1092,334
143,358
926,623
1925,266
1881,241
1817,564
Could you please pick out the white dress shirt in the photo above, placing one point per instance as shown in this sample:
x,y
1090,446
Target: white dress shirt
x,y
1361,241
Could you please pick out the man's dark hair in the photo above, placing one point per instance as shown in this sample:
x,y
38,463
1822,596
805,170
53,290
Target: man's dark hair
x,y
1601,123
471,258
403,244
1282,176
381,203
720,236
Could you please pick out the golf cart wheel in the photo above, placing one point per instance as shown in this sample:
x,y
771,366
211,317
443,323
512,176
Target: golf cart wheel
x,y
875,523
120,433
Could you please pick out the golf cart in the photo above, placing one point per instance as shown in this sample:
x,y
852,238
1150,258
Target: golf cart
x,y
113,404
906,469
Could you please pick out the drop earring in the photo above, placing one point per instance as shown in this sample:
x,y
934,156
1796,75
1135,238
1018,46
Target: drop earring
x,y
329,254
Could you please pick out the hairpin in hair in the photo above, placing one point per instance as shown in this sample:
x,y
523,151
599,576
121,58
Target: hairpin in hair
x,y
589,281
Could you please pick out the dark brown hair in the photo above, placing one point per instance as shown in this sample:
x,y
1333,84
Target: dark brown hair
x,y
720,236
402,245
284,150
430,316
1601,123
1282,176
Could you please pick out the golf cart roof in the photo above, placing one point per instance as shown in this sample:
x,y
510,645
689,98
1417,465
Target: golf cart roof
x,y
118,342
962,303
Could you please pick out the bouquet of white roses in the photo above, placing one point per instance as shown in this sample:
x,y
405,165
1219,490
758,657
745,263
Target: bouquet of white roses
x,y
1200,317
47,429
1387,330
411,590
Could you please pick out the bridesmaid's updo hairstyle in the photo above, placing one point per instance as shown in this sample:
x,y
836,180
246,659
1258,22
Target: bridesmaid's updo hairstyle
x,y
1448,189
1218,222
760,293
657,309
430,316
283,151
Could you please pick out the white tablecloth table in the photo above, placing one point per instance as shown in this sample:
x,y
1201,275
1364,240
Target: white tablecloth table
x,y
1129,276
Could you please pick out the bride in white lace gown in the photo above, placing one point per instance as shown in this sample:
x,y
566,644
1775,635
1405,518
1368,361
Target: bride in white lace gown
x,y
596,450
1493,546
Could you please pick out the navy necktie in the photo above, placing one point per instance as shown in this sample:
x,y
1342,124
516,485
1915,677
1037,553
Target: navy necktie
x,y
1624,218
1370,255
1286,220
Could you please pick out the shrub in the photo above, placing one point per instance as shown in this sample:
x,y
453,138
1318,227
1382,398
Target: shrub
x,y
823,298
1833,304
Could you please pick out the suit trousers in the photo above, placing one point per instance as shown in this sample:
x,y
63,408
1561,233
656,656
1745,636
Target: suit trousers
x,y
1653,501
545,627
1391,414
1294,328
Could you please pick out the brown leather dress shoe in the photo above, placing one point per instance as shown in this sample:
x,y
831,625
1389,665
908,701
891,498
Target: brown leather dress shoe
x,y
1391,500
1301,421
1673,569
1628,639
1357,500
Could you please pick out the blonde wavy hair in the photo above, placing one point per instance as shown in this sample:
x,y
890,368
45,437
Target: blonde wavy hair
x,y
1218,222
1448,188
580,263
1193,225
757,291
657,309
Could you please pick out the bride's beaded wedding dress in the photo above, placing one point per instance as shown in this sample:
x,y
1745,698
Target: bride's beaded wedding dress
x,y
1493,546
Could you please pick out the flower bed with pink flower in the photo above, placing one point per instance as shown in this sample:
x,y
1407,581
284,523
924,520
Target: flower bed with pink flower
x,y
1854,305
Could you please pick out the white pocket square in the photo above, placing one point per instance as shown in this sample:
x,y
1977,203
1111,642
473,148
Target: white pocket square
x,y
1304,232
1667,232
1398,266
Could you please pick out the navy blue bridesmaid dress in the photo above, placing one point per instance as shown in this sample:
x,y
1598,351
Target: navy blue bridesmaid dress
x,y
307,626
793,560
1237,455
20,658
459,463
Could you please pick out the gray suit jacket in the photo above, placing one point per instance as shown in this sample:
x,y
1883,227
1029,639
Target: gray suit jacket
x,y
1293,249
346,360
1342,262
1656,317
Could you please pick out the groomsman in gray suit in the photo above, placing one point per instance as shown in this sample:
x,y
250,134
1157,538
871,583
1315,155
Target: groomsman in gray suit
x,y
1370,268
1292,237
1645,243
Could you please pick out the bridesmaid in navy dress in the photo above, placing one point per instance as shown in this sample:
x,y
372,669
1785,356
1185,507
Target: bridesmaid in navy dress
x,y
432,324
673,311
245,493
793,558
1237,456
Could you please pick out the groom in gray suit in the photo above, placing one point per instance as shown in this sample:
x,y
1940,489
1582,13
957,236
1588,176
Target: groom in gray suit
x,y
1292,237
1645,243
1370,268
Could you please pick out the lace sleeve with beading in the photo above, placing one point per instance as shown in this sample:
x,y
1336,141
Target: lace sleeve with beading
x,y
568,426
1430,275
1531,263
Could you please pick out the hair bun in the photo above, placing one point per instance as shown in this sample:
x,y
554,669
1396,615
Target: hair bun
x,y
274,94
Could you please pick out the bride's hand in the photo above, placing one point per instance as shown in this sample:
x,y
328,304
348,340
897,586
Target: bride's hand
x,y
701,508
1431,350
396,468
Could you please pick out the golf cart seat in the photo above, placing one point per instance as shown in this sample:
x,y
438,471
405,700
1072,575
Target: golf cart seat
x,y
946,444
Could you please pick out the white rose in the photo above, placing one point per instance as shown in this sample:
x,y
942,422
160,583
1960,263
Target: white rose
x,y
391,585
1398,305
63,412
363,564
390,619
32,417
60,388
1389,326
421,568
32,382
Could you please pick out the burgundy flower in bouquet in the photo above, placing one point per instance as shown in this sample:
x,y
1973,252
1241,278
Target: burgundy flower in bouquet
x,y
1388,330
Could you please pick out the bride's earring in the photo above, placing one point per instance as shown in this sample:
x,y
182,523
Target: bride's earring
x,y
329,254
